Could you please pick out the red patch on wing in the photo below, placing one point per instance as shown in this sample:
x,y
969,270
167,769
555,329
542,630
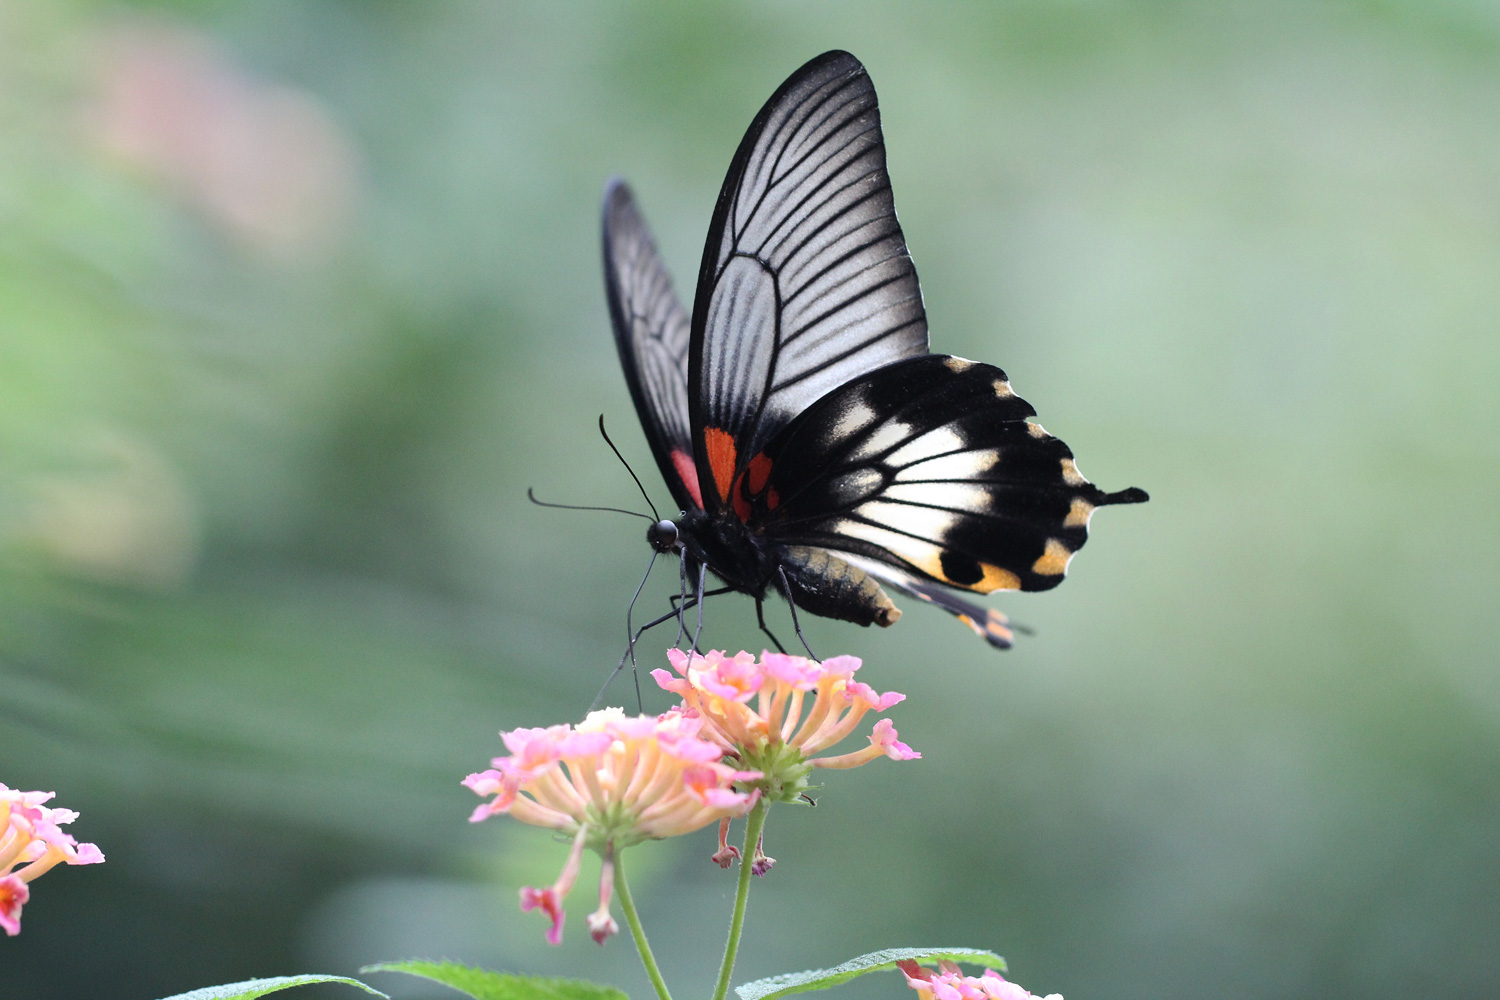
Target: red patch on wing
x,y
688,473
773,499
760,471
721,458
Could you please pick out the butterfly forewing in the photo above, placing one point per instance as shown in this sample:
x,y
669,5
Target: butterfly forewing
x,y
806,282
930,466
652,332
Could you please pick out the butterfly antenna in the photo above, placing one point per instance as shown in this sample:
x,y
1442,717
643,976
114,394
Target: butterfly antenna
x,y
628,469
568,506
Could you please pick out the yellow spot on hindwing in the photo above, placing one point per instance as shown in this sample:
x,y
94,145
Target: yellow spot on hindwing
x,y
996,578
1036,430
1002,389
957,364
1078,514
1071,475
1054,559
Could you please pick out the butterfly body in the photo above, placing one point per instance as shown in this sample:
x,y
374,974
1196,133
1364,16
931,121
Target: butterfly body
x,y
814,446
749,561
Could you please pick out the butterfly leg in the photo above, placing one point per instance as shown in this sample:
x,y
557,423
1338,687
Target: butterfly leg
x,y
716,592
681,597
760,616
629,636
634,639
786,588
698,596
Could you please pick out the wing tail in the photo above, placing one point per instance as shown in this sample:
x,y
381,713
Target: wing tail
x,y
987,623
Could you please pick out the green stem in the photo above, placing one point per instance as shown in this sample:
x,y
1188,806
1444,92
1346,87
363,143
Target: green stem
x,y
753,826
638,932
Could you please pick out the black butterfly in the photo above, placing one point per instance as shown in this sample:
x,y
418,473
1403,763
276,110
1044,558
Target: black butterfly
x,y
812,443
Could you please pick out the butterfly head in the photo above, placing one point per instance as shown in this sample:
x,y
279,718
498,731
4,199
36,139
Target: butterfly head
x,y
663,536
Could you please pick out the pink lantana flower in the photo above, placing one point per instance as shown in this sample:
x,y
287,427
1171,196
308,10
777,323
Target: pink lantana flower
x,y
948,982
778,713
31,843
610,782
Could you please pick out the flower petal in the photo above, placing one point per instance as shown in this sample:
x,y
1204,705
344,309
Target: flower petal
x,y
548,902
884,737
13,895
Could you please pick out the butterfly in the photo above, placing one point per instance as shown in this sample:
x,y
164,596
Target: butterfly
x,y
815,447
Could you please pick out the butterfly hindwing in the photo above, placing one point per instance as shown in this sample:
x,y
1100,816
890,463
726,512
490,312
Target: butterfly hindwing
x,y
652,332
987,623
930,466
806,282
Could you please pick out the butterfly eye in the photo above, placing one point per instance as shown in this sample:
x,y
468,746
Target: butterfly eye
x,y
663,536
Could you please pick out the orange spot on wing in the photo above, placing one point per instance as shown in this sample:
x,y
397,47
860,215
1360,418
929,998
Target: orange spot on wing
x,y
741,506
688,473
721,456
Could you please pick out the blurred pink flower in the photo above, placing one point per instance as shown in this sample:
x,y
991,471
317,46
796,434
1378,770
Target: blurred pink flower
x,y
611,782
948,982
774,714
30,837
262,160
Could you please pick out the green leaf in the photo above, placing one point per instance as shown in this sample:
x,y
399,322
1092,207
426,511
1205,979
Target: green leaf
x,y
252,988
482,984
875,961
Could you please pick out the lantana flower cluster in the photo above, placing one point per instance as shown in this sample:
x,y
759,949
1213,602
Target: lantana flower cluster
x,y
776,714
948,982
610,782
31,843
747,730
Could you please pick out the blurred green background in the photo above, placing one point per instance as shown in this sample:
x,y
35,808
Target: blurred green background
x,y
297,298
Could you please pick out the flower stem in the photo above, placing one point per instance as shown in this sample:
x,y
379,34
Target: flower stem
x,y
753,827
638,932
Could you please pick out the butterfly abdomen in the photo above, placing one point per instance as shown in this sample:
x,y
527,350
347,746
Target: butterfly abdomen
x,y
826,585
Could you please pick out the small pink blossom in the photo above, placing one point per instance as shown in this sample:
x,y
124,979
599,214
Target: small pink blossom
x,y
610,782
31,838
727,853
948,982
737,677
13,895
602,925
550,899
760,864
883,743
